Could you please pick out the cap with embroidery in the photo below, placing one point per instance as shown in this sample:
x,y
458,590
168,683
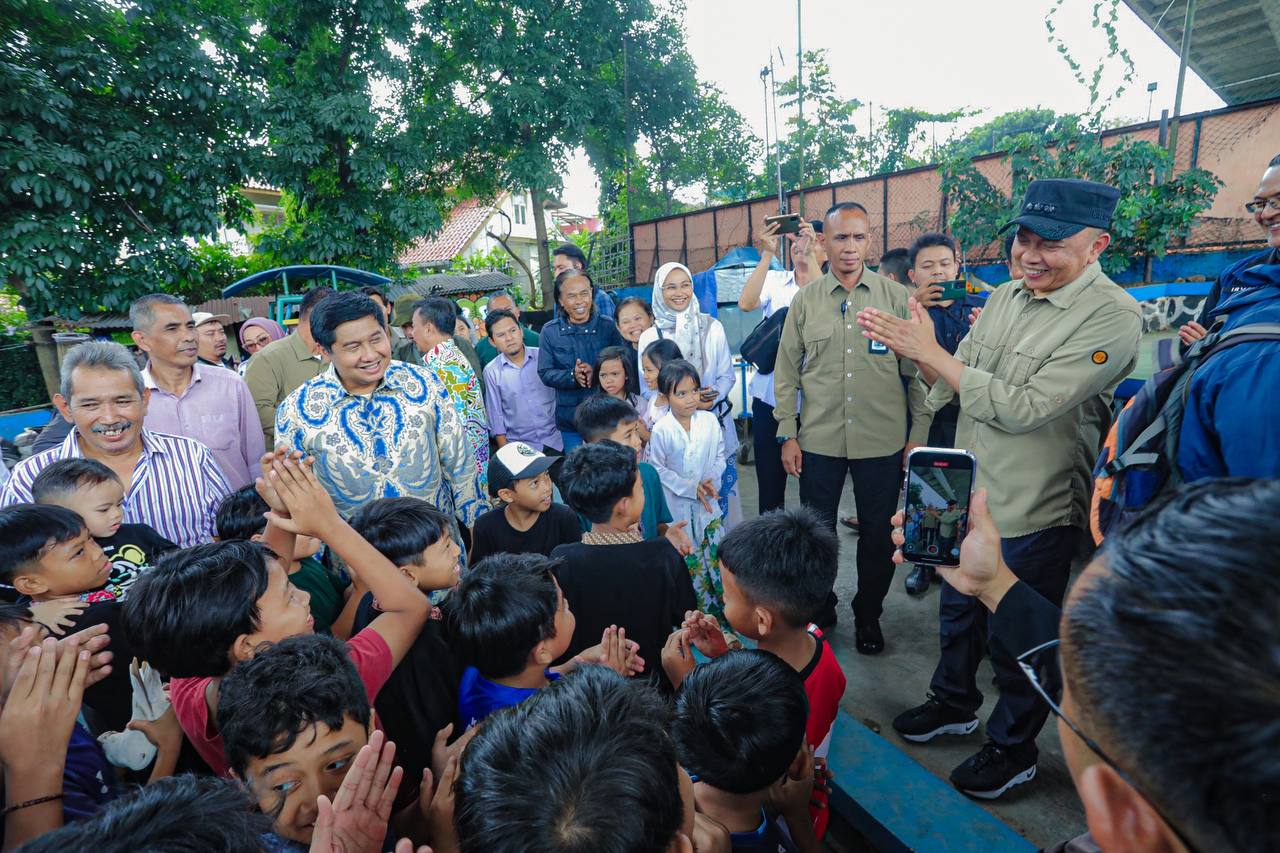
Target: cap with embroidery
x,y
202,317
1056,208
516,460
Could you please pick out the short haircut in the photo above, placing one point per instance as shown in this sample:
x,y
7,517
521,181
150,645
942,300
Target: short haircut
x,y
142,313
266,702
375,293
1187,574
927,241
499,314
894,264
1275,161
104,355
673,373
401,528
584,765
312,298
176,813
626,355
501,294
636,301
662,351
740,720
503,606
338,309
439,312
1008,243
784,559
185,614
565,276
69,475
595,477
599,415
843,207
29,531
570,250
240,515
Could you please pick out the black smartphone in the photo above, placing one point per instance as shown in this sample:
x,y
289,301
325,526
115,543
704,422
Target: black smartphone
x,y
936,507
788,223
953,289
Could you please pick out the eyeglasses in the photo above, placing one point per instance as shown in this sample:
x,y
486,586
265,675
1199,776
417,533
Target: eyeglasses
x,y
1272,203
1041,666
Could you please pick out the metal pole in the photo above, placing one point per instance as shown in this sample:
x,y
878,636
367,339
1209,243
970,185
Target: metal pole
x,y
800,102
764,87
777,136
1188,25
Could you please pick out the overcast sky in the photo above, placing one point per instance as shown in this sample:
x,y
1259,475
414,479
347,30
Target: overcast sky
x,y
935,55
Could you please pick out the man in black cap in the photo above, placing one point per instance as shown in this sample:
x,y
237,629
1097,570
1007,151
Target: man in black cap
x,y
1035,378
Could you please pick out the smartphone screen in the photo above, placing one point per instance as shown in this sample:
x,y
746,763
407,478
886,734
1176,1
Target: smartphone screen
x,y
936,508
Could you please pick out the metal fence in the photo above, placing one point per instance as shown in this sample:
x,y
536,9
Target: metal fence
x,y
1233,143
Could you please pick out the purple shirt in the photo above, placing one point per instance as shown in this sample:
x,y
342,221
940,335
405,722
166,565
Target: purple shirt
x,y
519,406
217,410
176,486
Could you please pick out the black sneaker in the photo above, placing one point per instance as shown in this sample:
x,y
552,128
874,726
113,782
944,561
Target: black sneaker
x,y
918,581
994,770
925,722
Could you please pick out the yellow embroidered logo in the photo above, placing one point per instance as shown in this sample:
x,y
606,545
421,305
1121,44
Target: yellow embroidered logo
x,y
1100,357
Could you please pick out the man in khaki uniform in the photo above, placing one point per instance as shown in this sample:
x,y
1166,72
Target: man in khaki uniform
x,y
1035,378
856,412
281,366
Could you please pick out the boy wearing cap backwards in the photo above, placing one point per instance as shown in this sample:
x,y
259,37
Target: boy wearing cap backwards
x,y
1035,378
527,522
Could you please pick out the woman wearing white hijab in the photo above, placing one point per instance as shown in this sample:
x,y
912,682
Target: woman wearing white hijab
x,y
677,315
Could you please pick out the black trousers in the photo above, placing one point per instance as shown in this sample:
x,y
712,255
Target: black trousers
x,y
877,482
771,477
942,432
1041,559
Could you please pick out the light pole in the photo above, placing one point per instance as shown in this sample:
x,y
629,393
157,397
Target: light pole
x,y
1151,93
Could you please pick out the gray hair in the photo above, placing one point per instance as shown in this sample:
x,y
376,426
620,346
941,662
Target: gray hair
x,y
142,313
103,354
498,293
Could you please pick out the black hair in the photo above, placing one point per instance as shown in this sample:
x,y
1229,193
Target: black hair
x,y
1275,161
894,264
740,720
15,617
565,276
633,300
266,702
312,298
338,309
184,615
570,250
371,291
626,355
817,225
67,475
499,314
1009,240
583,766
401,528
503,606
439,312
841,207
599,415
928,240
786,559
673,372
170,815
28,531
595,477
240,515
662,351
1185,575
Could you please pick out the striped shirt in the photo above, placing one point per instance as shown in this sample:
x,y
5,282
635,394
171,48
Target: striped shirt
x,y
176,486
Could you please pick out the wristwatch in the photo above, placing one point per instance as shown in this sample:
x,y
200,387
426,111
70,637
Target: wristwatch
x,y
783,439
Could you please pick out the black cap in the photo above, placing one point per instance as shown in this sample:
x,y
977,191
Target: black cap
x,y
571,251
1057,208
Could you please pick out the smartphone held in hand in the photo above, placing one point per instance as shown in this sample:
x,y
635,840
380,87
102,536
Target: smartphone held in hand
x,y
936,507
788,223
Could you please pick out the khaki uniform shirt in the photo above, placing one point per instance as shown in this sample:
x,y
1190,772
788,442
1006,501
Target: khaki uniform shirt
x,y
855,406
1035,395
273,374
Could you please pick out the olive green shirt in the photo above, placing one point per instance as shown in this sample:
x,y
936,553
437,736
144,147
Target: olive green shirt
x,y
274,372
947,523
1035,395
853,399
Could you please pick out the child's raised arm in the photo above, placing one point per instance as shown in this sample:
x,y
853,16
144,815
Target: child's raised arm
x,y
280,541
312,513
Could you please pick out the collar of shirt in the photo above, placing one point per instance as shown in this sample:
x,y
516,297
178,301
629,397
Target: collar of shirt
x,y
611,537
530,356
446,350
299,347
149,381
1066,295
835,284
392,381
71,444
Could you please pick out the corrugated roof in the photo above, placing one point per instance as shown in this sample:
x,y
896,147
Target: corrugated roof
x,y
465,221
1235,44
237,308
451,285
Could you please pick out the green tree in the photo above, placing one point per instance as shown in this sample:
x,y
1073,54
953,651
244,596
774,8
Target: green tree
x,y
124,129
828,134
998,133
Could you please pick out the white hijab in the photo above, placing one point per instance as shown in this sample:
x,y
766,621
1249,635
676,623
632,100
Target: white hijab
x,y
684,328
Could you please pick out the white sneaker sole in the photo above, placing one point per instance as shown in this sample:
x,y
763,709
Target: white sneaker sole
x,y
966,728
1025,776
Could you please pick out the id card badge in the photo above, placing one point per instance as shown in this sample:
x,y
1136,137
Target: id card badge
x,y
876,347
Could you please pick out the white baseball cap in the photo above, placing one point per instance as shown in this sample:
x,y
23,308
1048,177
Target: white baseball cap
x,y
202,317
516,460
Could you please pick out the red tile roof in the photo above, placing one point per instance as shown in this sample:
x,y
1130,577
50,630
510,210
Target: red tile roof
x,y
467,218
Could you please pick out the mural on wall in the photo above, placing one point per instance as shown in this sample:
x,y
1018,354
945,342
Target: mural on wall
x,y
1167,313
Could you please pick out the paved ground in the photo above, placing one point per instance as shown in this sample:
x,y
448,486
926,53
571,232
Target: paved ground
x,y
1045,810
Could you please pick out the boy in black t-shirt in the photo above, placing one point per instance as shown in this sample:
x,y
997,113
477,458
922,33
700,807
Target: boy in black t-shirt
x,y
528,523
613,576
95,493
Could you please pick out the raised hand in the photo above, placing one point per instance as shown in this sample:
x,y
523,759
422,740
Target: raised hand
x,y
57,613
43,703
92,639
705,633
677,657
311,509
356,820
678,536
767,238
912,338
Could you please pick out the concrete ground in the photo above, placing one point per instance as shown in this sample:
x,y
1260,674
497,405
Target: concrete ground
x,y
1045,810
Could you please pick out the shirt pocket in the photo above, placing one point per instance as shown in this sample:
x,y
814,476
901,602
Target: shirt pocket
x,y
816,338
218,431
1026,358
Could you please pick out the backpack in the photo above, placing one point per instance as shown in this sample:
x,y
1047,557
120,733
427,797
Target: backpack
x,y
760,347
1139,458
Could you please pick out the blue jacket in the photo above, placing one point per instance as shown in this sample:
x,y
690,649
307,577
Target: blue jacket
x,y
563,345
1230,282
1231,427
